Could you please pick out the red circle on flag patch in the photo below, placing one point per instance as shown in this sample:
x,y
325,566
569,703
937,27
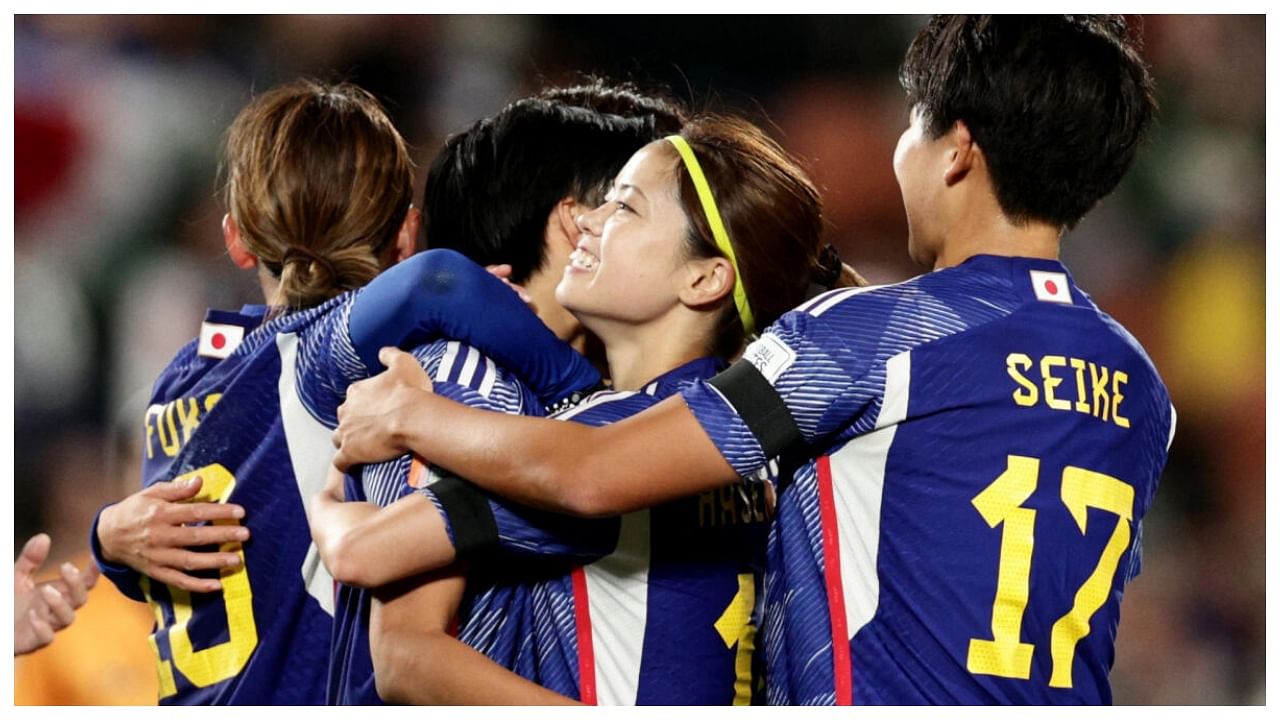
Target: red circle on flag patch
x,y
219,340
1049,285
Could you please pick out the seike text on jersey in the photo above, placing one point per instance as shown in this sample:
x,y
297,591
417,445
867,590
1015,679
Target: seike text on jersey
x,y
1069,384
170,425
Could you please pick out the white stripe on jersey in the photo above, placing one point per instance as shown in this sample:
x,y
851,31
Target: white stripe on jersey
x,y
311,452
489,378
828,300
618,600
469,367
446,363
857,479
604,396
1173,426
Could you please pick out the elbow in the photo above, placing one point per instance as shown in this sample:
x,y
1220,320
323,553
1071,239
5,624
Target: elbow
x,y
346,563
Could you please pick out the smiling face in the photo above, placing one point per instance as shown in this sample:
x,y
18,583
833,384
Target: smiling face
x,y
628,264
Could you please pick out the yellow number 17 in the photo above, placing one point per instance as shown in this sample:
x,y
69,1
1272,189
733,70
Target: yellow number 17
x,y
1005,655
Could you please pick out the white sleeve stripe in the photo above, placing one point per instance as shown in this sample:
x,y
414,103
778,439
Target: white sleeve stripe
x,y
469,367
1173,426
490,376
446,364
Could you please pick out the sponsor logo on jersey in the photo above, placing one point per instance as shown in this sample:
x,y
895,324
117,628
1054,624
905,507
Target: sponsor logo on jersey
x,y
771,357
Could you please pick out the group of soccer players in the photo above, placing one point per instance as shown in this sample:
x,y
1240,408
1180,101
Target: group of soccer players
x,y
789,487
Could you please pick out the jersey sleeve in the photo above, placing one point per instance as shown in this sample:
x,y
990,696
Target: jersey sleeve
x,y
126,579
819,370
475,520
441,293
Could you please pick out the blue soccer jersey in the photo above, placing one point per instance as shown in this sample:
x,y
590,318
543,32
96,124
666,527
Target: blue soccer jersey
x,y
461,373
987,443
663,608
250,410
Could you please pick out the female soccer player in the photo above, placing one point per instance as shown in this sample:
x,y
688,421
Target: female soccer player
x,y
980,443
318,195
703,235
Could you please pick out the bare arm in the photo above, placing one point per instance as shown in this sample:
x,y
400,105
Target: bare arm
x,y
352,537
658,455
416,661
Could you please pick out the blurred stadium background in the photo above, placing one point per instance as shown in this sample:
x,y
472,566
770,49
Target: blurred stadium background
x,y
117,253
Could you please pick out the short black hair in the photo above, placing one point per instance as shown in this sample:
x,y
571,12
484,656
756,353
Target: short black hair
x,y
491,188
1058,103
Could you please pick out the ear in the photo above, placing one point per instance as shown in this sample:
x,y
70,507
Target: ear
x,y
707,281
963,154
240,254
407,239
564,220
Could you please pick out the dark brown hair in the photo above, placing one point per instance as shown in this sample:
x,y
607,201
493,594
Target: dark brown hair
x,y
773,214
319,182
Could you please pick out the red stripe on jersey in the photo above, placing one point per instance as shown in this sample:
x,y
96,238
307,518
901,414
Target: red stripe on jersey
x,y
841,661
586,651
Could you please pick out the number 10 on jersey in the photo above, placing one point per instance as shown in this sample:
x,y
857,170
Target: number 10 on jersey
x,y
224,660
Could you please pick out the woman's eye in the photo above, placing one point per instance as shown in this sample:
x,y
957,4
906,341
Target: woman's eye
x,y
623,207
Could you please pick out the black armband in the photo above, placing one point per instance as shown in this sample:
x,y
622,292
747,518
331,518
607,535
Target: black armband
x,y
467,511
760,407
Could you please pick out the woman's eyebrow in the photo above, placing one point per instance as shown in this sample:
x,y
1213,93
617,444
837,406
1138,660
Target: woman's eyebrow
x,y
619,187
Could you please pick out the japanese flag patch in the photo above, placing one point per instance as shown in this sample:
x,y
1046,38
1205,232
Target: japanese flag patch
x,y
218,340
1051,286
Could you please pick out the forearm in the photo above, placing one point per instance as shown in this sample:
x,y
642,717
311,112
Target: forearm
x,y
354,538
434,668
656,456
416,661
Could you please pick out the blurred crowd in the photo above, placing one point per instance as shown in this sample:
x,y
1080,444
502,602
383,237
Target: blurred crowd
x,y
118,252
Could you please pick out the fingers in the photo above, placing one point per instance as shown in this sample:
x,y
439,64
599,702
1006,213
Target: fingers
x,y
388,356
42,630
33,555
59,610
187,560
89,575
177,514
73,586
181,580
175,491
502,271
187,536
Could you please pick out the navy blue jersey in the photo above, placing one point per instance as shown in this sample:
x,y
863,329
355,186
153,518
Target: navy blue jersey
x,y
250,410
663,607
461,373
987,442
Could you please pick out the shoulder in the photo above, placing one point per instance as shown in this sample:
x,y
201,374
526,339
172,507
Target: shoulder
x,y
867,325
464,373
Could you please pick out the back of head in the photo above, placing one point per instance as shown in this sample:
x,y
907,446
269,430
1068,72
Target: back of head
x,y
1058,104
318,181
491,188
772,213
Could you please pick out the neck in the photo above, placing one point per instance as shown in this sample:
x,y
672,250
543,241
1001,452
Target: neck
x,y
270,285
991,233
541,287
640,353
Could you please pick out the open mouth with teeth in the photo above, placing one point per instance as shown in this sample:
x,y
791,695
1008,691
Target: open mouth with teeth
x,y
583,260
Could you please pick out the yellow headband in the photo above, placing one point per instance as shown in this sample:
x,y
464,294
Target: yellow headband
x,y
717,228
